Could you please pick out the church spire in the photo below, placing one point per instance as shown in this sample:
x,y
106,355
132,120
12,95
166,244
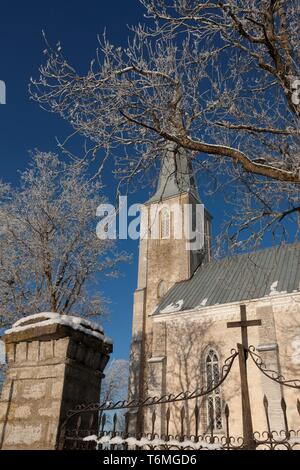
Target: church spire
x,y
176,175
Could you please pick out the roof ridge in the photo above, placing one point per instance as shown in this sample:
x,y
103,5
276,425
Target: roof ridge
x,y
236,255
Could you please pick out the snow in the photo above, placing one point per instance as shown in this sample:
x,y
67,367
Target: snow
x,y
203,303
132,441
108,340
267,347
175,307
49,318
50,315
154,360
294,440
273,288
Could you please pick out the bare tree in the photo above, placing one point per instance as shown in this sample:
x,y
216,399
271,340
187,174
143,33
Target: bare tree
x,y
115,383
50,256
216,78
115,388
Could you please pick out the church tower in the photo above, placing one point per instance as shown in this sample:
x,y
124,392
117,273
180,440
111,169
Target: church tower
x,y
168,219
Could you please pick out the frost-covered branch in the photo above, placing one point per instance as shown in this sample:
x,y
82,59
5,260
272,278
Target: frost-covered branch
x,y
50,256
217,78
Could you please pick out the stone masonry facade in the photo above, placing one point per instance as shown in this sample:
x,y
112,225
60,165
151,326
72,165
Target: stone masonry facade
x,y
169,348
165,260
182,339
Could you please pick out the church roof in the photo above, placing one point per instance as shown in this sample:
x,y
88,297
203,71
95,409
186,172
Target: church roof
x,y
176,175
237,278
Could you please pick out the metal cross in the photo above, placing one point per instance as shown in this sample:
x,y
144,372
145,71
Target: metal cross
x,y
249,442
244,324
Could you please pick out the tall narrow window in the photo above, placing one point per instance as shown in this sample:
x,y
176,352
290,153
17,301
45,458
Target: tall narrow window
x,y
214,405
165,223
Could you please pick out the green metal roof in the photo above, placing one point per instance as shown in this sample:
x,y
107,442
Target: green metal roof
x,y
238,278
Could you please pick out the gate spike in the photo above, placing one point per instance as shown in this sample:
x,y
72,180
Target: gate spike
x,y
226,412
211,425
78,424
153,422
168,415
266,407
103,422
283,406
127,415
182,416
115,420
153,417
91,421
196,412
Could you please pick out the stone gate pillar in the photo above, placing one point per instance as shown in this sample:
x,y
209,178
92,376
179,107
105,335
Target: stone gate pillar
x,y
55,362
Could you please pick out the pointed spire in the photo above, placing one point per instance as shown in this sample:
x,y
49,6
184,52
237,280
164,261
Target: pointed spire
x,y
176,175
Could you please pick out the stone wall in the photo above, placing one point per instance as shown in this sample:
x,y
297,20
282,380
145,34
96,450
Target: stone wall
x,y
51,369
160,260
188,335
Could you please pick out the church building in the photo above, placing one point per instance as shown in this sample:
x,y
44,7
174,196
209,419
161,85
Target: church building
x,y
185,302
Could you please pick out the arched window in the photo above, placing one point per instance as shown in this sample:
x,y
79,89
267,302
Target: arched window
x,y
214,404
161,289
165,223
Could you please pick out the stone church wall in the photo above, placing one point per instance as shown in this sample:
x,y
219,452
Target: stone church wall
x,y
188,335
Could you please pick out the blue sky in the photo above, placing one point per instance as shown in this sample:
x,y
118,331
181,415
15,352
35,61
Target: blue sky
x,y
24,126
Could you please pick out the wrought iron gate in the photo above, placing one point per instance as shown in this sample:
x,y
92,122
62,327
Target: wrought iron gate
x,y
105,426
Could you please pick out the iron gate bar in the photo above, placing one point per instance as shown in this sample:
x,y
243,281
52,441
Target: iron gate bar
x,y
287,438
269,439
150,401
271,374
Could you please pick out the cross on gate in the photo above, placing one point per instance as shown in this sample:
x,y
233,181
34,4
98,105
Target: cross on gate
x,y
244,324
249,442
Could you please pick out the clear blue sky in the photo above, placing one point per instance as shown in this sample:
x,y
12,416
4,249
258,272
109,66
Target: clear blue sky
x,y
24,126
